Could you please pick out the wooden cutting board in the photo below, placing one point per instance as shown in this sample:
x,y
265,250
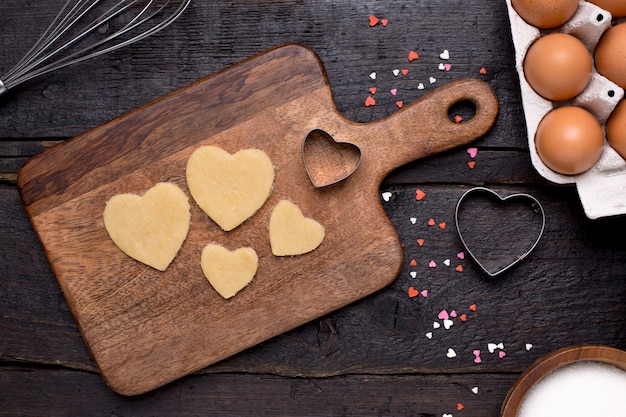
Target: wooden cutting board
x,y
145,327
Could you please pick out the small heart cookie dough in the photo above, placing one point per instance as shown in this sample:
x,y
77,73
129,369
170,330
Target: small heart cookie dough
x,y
228,271
291,233
229,188
149,228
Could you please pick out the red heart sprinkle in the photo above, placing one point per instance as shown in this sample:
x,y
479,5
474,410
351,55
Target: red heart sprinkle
x,y
413,262
413,292
373,90
459,268
419,195
431,222
413,56
471,164
442,225
483,71
420,242
373,21
384,21
399,103
404,72
472,307
369,101
459,407
463,317
458,118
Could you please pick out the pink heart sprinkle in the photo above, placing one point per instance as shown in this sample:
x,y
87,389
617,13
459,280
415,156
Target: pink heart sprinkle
x,y
502,354
460,255
432,264
472,152
477,356
453,313
443,315
424,293
447,67
393,91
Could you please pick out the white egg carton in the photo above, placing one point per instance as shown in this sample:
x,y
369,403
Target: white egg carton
x,y
602,189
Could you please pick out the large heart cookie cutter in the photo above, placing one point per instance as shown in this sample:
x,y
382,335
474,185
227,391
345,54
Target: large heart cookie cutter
x,y
512,259
328,161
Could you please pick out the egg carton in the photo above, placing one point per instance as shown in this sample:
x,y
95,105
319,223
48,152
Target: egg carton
x,y
601,189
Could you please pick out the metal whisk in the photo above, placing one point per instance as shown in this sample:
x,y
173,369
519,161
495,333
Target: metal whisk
x,y
128,21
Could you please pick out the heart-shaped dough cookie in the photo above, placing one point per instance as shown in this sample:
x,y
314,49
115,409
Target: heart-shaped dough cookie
x,y
149,228
229,188
291,233
228,272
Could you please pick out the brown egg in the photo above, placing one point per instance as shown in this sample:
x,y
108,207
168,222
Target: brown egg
x,y
558,66
610,54
569,140
617,8
616,129
545,14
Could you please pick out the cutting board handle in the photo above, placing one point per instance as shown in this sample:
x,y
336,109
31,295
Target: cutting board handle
x,y
424,127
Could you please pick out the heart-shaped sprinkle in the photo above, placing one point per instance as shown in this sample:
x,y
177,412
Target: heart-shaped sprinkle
x,y
491,347
446,262
442,225
472,152
386,195
447,67
291,233
229,188
445,54
372,90
399,104
396,72
413,220
228,272
472,307
327,161
404,72
460,255
420,242
424,293
529,346
446,415
459,268
463,317
419,195
516,222
441,67
150,228
393,91
471,164
370,101
458,118
502,354
431,222
459,406
451,353
413,56
483,71
447,324
453,313
373,21
436,325
413,262
413,292
384,22
413,274
432,80
475,390
432,264
420,86
373,75
429,335
477,358
443,315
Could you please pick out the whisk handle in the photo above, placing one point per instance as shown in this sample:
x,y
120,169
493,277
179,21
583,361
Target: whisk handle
x,y
3,89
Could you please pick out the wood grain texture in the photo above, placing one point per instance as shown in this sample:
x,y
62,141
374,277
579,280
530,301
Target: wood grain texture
x,y
371,357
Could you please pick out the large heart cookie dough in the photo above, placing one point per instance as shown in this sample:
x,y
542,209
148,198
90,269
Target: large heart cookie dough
x,y
149,228
228,272
291,233
229,188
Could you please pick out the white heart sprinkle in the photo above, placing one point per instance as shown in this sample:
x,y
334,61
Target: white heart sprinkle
x,y
446,262
429,335
413,274
441,67
386,196
436,325
445,54
451,353
475,390
420,86
529,346
396,72
432,80
492,347
500,345
413,220
373,75
446,415
447,324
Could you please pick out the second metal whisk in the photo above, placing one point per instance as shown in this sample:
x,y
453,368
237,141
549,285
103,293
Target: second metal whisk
x,y
129,21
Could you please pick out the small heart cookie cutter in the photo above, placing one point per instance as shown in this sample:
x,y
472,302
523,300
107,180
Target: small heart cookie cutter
x,y
535,203
328,161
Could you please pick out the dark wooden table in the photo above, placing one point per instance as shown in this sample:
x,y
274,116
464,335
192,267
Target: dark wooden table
x,y
378,356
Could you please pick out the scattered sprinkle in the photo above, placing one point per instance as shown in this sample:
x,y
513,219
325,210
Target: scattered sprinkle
x,y
445,54
413,220
372,90
420,242
477,358
420,86
471,164
483,71
419,195
399,104
393,91
475,390
431,222
373,20
436,325
529,346
451,353
413,56
432,264
432,80
369,101
459,406
386,195
472,152
373,75
446,262
424,293
443,315
413,262
472,307
404,72
413,292
413,274
460,255
502,354
447,324
429,335
384,22
459,268
442,225
396,72
463,317
458,118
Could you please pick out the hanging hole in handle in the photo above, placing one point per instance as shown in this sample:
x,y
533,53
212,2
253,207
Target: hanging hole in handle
x,y
462,111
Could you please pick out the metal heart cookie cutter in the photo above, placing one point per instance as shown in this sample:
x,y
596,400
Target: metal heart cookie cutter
x,y
520,222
